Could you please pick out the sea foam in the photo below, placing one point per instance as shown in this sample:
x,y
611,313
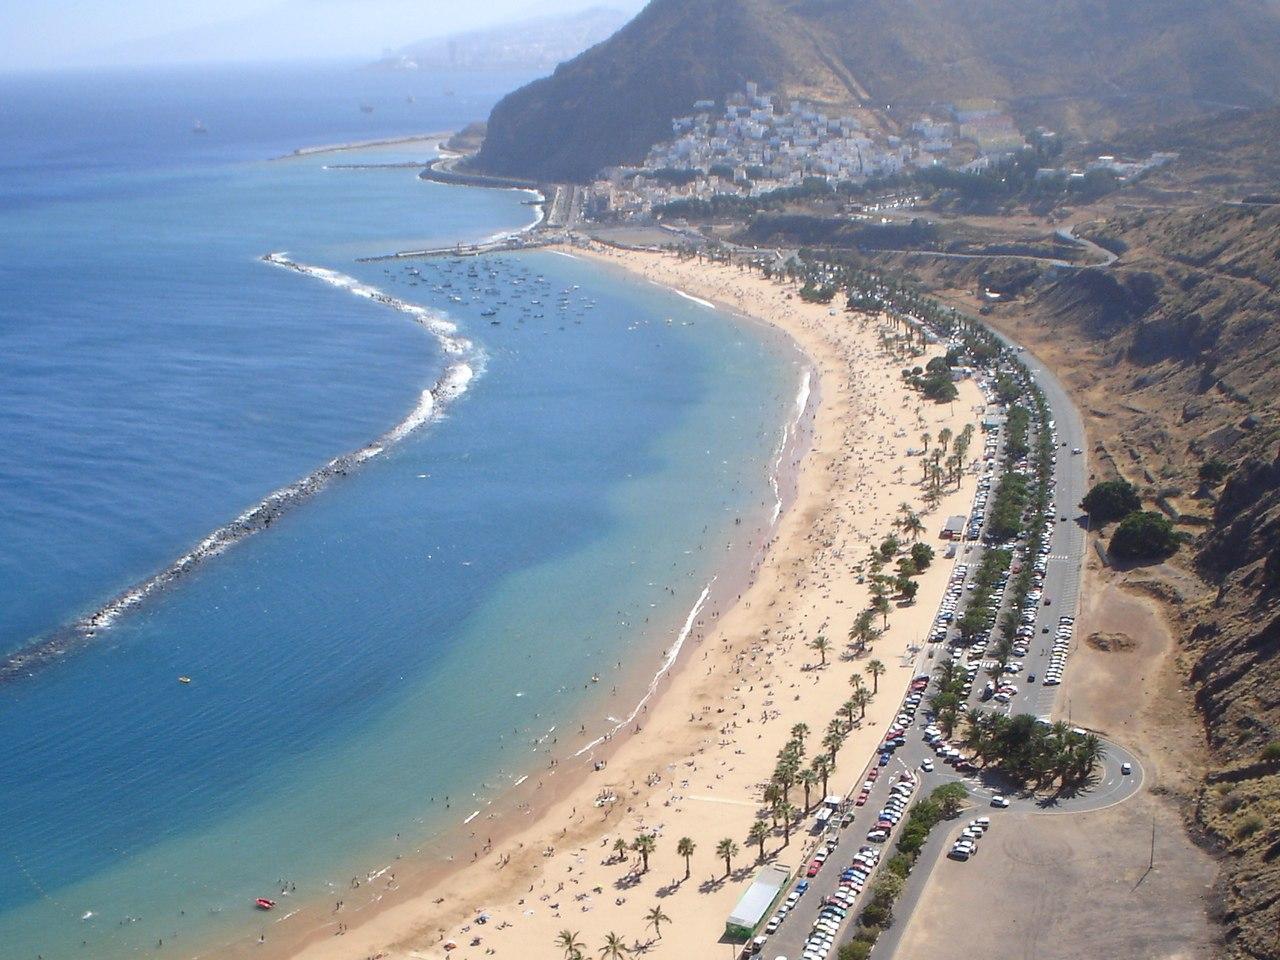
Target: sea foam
x,y
431,406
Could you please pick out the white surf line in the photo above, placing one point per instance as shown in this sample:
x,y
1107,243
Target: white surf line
x,y
788,430
680,293
672,654
538,216
563,253
431,405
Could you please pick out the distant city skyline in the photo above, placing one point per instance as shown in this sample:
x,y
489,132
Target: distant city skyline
x,y
72,34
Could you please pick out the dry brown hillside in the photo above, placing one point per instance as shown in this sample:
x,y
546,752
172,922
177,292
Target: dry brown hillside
x,y
1076,65
1174,357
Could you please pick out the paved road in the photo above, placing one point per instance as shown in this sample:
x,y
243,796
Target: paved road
x,y
1061,588
1068,233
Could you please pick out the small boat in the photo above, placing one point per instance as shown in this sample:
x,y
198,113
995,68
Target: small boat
x,y
184,679
262,903
366,108
199,127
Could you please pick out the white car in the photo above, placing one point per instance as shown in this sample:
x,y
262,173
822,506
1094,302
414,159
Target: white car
x,y
927,765
1000,801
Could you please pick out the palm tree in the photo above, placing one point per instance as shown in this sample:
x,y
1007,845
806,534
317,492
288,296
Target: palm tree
x,y
728,849
880,603
685,847
773,797
863,630
787,812
808,779
833,741
759,833
862,697
877,670
848,707
926,437
1087,755
974,731
614,948
822,766
913,526
620,848
944,438
644,845
835,737
568,942
822,645
798,733
785,774
656,918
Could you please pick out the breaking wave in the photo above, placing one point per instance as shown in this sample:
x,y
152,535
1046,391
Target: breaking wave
x,y
467,362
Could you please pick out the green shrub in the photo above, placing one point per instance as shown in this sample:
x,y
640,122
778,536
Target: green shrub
x,y
1111,500
1144,536
855,950
899,865
877,914
866,934
888,888
1271,751
1213,471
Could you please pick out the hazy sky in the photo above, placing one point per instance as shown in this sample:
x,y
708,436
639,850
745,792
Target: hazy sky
x,y
44,34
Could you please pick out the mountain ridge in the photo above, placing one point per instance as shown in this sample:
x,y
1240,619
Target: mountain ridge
x,y
1086,65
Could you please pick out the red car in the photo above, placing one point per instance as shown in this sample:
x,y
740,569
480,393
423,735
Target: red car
x,y
862,799
814,867
873,773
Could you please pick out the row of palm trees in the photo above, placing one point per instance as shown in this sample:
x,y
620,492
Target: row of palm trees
x,y
614,947
1030,751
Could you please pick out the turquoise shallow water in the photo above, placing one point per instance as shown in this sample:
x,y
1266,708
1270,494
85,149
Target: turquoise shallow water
x,y
413,631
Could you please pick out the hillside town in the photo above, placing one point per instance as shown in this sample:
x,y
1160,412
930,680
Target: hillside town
x,y
756,145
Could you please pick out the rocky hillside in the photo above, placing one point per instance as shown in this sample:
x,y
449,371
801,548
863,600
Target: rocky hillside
x,y
1234,153
1072,63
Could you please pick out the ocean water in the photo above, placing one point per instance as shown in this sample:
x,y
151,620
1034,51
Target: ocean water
x,y
417,628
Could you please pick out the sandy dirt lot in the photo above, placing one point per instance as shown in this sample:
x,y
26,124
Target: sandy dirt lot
x,y
1050,886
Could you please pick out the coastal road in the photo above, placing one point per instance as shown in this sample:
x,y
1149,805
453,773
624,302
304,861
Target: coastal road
x,y
1110,786
1105,256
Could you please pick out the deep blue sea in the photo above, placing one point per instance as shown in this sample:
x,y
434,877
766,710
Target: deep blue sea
x,y
414,630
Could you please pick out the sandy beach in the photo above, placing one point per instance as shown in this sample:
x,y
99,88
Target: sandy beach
x,y
707,743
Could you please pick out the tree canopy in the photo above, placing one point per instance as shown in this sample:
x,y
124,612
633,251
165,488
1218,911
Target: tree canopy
x,y
1111,500
1144,535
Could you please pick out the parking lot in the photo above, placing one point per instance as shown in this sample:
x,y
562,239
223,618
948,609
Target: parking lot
x,y
915,754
